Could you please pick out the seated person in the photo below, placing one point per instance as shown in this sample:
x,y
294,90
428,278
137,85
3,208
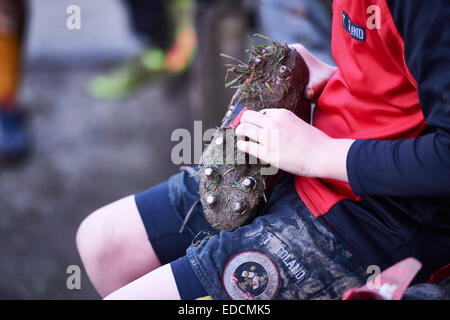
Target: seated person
x,y
368,183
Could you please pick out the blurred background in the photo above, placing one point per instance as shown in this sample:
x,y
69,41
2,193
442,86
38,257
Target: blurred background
x,y
90,92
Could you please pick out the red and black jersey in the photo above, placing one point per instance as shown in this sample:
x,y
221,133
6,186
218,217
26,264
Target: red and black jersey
x,y
391,92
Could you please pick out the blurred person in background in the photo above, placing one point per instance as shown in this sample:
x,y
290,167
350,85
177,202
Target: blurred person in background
x,y
13,138
167,30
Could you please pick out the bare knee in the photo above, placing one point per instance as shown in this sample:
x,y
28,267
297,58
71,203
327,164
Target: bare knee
x,y
113,245
95,242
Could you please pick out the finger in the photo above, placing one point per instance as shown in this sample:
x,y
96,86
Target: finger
x,y
251,131
320,75
314,88
255,118
299,47
310,59
309,93
252,148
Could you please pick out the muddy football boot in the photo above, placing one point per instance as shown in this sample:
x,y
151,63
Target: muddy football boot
x,y
232,184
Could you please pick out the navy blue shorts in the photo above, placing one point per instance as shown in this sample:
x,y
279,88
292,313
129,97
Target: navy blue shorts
x,y
285,253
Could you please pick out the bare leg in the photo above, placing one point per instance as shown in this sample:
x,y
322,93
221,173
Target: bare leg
x,y
114,247
156,285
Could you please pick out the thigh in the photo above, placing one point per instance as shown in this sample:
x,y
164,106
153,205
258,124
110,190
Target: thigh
x,y
132,236
113,246
156,285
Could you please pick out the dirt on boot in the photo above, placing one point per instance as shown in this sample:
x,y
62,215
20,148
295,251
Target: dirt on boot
x,y
233,185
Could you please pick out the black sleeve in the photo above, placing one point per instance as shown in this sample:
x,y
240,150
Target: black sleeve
x,y
419,166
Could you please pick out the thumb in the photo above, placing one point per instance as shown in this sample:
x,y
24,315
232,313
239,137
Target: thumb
x,y
319,72
315,87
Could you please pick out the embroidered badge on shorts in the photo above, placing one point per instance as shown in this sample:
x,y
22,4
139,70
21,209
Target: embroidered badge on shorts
x,y
251,275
